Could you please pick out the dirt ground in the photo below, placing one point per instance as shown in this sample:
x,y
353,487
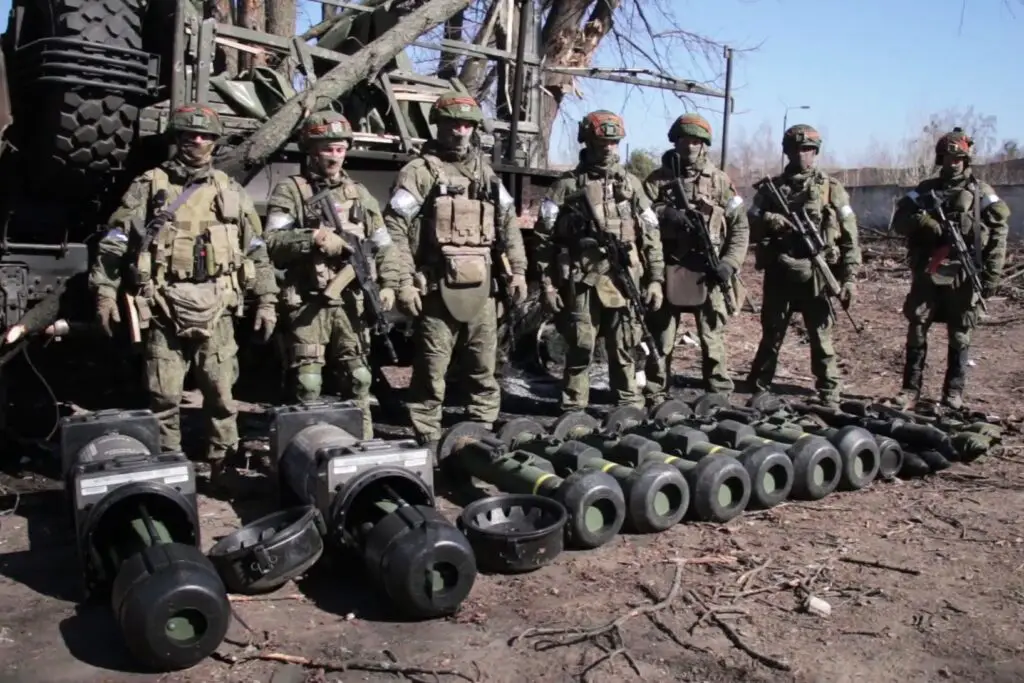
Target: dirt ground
x,y
731,598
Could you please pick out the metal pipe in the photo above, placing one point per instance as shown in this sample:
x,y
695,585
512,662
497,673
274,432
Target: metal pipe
x,y
727,109
525,19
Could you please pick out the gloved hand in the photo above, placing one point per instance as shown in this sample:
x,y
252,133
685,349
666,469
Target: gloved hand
x,y
653,296
670,215
551,300
930,226
831,254
519,289
266,320
847,293
107,313
387,298
723,274
777,222
329,242
988,288
409,301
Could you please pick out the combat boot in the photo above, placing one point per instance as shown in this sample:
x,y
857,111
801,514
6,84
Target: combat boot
x,y
913,370
956,378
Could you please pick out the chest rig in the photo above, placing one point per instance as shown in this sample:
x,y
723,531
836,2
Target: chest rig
x,y
202,240
812,195
961,203
319,270
462,223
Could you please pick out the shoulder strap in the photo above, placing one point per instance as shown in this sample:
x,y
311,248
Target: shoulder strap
x,y
436,168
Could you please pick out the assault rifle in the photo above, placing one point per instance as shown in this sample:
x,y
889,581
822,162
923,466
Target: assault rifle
x,y
811,239
698,228
617,254
358,268
956,240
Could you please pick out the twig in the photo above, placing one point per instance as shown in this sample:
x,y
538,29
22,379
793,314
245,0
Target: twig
x,y
354,665
880,565
733,636
265,598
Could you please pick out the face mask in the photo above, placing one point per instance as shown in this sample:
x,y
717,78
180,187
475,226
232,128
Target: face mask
x,y
329,158
603,155
690,151
455,136
804,159
195,151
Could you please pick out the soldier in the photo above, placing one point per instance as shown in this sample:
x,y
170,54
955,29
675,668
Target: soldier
x,y
193,241
690,284
577,288
940,290
790,283
451,219
324,322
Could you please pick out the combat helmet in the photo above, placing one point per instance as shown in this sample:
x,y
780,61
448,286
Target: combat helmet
x,y
956,143
601,125
195,118
456,105
326,125
690,124
800,135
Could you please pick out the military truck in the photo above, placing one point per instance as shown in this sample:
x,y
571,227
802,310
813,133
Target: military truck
x,y
91,84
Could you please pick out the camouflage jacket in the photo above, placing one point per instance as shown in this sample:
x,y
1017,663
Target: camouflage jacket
x,y
966,201
828,207
290,231
229,204
412,221
710,191
625,202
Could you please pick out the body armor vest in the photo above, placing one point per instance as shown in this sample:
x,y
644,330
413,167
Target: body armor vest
x,y
462,223
704,185
318,271
202,240
812,195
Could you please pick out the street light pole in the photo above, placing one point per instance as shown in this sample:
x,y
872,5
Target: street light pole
x,y
785,122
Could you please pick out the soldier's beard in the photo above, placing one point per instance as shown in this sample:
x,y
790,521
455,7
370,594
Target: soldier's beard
x,y
195,154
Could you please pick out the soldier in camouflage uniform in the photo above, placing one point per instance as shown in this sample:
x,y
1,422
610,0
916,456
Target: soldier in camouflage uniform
x,y
577,288
447,214
325,322
940,290
206,252
790,283
690,286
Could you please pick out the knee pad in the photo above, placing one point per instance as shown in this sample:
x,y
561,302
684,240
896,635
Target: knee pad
x,y
309,380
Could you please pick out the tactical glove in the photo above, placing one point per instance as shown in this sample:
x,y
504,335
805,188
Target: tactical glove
x,y
670,215
387,298
329,242
409,301
723,274
551,300
107,313
777,222
847,293
653,296
266,320
831,254
519,289
930,226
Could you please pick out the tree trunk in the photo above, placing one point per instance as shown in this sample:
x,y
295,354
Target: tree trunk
x,y
281,17
227,57
246,158
252,14
566,43
474,69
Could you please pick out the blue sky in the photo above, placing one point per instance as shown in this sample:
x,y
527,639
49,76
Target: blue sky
x,y
870,70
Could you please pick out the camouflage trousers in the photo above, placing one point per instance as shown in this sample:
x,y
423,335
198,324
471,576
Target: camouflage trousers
x,y
437,337
582,323
168,359
928,303
710,321
783,298
319,334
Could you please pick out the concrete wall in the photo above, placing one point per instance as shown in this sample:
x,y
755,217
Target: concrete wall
x,y
873,205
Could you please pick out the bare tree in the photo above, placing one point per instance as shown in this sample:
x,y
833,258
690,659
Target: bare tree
x,y
252,14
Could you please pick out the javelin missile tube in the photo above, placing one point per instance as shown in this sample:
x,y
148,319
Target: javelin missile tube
x,y
597,509
720,486
656,494
816,462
